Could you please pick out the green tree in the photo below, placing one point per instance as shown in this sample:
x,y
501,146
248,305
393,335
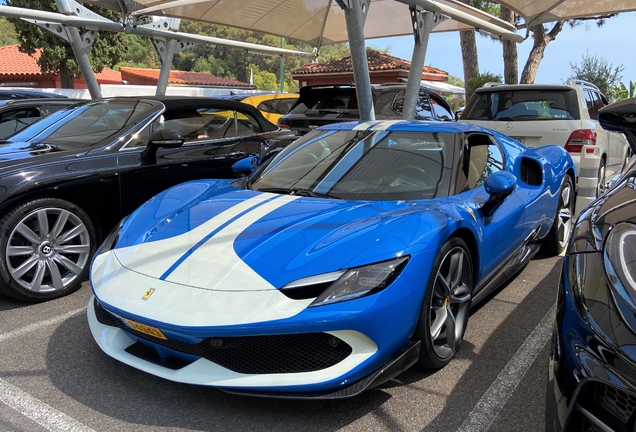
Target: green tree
x,y
623,92
233,63
599,72
57,55
141,52
479,80
8,35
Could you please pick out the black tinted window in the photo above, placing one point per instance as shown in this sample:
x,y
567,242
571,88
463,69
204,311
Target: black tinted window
x,y
529,105
423,110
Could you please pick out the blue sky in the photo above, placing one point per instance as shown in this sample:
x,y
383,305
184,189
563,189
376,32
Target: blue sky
x,y
615,41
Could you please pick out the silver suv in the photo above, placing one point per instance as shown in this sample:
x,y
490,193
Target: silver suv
x,y
563,114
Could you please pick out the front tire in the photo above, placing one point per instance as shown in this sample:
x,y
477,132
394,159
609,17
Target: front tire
x,y
559,235
45,249
446,307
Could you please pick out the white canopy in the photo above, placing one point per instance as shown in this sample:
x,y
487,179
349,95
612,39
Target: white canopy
x,y
316,22
541,11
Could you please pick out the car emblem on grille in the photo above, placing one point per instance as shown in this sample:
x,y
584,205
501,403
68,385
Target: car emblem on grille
x,y
148,293
509,126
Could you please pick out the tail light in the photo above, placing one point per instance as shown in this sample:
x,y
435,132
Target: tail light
x,y
579,138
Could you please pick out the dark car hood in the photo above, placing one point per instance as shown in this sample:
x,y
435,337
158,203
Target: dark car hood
x,y
215,229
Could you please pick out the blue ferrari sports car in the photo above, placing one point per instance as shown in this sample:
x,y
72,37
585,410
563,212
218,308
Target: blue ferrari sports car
x,y
354,253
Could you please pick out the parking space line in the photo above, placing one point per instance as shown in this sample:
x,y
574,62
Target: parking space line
x,y
38,325
38,411
493,401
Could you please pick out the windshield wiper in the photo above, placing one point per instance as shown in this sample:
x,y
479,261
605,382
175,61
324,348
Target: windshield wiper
x,y
299,192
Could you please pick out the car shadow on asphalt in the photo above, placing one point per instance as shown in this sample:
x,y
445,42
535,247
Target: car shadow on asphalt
x,y
78,368
492,357
7,303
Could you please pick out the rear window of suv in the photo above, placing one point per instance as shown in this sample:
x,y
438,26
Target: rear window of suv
x,y
326,100
524,105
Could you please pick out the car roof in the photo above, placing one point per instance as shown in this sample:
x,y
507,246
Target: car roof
x,y
408,126
525,87
39,101
31,93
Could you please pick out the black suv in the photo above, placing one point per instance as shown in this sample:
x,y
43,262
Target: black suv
x,y
321,105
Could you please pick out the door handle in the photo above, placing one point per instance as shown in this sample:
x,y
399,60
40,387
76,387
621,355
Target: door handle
x,y
236,153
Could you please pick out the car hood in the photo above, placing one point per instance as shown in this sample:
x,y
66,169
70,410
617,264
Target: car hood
x,y
214,236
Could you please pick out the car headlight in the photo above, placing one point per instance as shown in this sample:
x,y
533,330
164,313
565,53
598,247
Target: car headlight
x,y
111,239
346,285
619,258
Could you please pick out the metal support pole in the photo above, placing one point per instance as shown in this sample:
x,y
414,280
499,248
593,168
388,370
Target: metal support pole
x,y
81,45
355,12
282,67
165,51
423,23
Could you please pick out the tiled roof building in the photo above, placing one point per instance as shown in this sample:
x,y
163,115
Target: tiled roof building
x,y
21,70
383,68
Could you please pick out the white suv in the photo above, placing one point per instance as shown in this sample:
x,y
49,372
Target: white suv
x,y
541,114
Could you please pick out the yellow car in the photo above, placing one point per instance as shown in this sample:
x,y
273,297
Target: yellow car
x,y
272,105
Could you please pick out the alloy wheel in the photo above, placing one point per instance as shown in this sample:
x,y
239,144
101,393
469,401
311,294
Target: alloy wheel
x,y
48,249
564,215
450,302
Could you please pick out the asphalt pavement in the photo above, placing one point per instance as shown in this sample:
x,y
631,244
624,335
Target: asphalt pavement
x,y
54,377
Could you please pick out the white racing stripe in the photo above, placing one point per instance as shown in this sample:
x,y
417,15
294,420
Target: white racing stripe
x,y
493,401
37,411
38,325
229,272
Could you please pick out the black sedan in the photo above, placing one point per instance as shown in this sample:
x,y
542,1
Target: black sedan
x,y
592,376
67,179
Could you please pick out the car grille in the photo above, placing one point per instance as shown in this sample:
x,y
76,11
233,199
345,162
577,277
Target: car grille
x,y
613,406
290,353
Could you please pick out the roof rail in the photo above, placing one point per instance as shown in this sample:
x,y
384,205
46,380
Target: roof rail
x,y
492,84
574,81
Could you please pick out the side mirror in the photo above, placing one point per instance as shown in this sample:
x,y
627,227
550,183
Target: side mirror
x,y
247,165
499,185
166,138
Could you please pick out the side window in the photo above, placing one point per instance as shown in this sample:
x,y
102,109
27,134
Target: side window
x,y
141,139
598,101
15,120
423,110
246,124
285,105
440,111
591,104
482,157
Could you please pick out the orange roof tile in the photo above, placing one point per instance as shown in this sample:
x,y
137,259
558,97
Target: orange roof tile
x,y
184,77
14,63
377,61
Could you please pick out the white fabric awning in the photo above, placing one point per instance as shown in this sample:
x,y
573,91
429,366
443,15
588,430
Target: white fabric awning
x,y
316,22
541,11
443,87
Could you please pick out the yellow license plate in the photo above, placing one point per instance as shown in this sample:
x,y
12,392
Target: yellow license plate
x,y
152,331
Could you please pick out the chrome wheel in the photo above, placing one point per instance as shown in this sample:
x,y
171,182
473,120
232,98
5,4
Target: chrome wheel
x,y
450,302
47,250
564,215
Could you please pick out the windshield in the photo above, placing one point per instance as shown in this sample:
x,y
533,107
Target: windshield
x,y
86,125
526,105
361,165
